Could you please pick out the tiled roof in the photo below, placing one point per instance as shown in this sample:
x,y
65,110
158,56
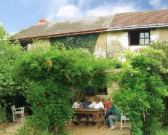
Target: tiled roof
x,y
62,28
120,21
140,19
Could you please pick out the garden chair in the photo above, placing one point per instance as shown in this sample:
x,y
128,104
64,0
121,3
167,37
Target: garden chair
x,y
18,114
124,122
105,121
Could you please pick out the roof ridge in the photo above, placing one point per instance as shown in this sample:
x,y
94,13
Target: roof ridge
x,y
87,25
143,11
61,21
90,17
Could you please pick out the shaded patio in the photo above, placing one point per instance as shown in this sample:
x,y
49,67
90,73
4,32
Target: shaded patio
x,y
82,129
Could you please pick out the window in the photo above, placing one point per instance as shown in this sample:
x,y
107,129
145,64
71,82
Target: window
x,y
102,91
139,38
91,91
26,44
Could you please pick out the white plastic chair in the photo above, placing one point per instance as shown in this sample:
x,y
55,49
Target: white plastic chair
x,y
124,122
18,113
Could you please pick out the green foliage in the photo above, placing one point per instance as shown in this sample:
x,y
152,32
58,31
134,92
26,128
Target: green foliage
x,y
87,41
164,130
3,117
8,55
48,80
8,87
28,130
163,46
141,93
51,77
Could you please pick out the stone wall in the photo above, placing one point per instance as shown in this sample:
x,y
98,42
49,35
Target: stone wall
x,y
117,41
100,47
39,43
163,33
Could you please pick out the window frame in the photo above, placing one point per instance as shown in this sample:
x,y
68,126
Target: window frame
x,y
101,91
25,44
91,91
138,32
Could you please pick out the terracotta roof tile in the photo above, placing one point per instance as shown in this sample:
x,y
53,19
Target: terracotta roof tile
x,y
139,18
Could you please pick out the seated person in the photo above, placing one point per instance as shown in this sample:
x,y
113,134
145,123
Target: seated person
x,y
97,104
115,116
108,110
108,104
77,105
85,104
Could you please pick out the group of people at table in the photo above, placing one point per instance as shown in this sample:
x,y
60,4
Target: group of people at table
x,y
111,112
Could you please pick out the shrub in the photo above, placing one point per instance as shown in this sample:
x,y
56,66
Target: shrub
x,y
141,93
8,86
51,77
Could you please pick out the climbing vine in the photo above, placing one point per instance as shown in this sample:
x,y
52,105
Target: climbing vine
x,y
141,93
87,41
52,76
8,86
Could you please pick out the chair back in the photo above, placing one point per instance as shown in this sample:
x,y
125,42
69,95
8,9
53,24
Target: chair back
x,y
123,117
18,113
124,121
13,108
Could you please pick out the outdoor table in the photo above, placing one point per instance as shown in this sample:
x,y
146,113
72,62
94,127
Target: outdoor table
x,y
98,112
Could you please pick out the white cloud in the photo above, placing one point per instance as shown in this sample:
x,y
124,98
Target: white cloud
x,y
83,3
68,11
99,11
53,7
63,9
109,10
57,3
13,32
124,8
154,2
158,4
1,24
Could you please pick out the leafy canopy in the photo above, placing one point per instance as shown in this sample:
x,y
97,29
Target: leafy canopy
x,y
51,76
142,90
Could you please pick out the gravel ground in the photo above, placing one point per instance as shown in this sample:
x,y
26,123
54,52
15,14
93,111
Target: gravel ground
x,y
10,128
81,129
93,130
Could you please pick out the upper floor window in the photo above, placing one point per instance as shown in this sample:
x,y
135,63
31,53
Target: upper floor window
x,y
91,91
139,38
26,44
101,91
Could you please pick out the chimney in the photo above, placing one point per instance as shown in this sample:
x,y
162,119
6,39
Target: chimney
x,y
42,21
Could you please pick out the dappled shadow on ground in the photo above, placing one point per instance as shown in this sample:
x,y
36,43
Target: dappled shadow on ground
x,y
82,129
93,130
10,128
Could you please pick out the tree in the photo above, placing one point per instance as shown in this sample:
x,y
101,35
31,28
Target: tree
x,y
142,91
8,55
163,46
51,76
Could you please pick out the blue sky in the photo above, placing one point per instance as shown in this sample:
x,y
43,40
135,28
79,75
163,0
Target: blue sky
x,y
19,14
